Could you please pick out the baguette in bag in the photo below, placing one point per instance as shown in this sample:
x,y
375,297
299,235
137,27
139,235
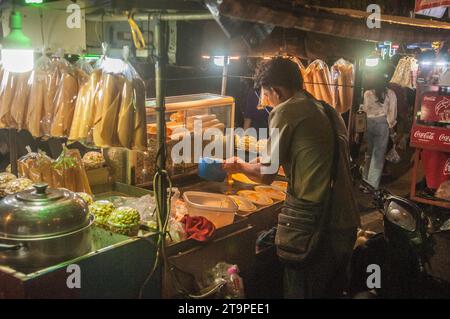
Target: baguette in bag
x,y
105,125
85,108
64,105
35,112
125,125
140,121
6,98
19,104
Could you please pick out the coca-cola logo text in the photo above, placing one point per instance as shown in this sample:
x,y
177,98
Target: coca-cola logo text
x,y
444,138
428,98
424,135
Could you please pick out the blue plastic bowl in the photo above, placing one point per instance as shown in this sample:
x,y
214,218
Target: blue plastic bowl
x,y
211,169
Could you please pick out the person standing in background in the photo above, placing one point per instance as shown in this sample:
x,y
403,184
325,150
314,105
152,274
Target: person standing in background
x,y
253,116
380,105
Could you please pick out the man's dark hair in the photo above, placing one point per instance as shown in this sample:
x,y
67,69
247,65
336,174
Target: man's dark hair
x,y
279,72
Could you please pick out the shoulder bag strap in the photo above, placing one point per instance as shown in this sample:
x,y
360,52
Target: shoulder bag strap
x,y
334,165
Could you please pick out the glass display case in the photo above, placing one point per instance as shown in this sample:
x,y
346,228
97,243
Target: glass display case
x,y
182,111
209,110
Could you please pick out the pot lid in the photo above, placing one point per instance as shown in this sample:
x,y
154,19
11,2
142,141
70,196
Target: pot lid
x,y
42,212
40,193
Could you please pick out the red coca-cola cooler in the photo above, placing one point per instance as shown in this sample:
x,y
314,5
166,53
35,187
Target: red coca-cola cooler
x,y
430,135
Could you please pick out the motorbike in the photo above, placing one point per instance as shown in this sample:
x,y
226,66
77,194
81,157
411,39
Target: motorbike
x,y
403,253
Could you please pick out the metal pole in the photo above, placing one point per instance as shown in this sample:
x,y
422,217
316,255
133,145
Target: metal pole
x,y
160,66
12,137
224,75
145,17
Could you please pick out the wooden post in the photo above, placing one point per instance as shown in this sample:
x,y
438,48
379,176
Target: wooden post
x,y
224,75
414,173
12,137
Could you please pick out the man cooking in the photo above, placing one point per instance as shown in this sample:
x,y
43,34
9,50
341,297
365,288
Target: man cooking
x,y
314,242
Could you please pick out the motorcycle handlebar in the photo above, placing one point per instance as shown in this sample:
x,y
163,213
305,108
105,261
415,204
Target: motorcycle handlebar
x,y
368,186
379,195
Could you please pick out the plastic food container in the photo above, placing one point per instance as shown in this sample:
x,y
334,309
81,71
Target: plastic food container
x,y
217,208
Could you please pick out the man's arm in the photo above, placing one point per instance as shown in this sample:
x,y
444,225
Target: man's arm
x,y
253,170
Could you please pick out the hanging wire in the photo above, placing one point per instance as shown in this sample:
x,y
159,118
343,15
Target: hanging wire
x,y
41,17
246,77
96,32
103,27
149,45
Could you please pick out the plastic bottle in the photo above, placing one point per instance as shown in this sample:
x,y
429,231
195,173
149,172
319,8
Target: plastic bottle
x,y
236,289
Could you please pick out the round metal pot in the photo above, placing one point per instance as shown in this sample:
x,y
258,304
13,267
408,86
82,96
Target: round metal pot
x,y
42,227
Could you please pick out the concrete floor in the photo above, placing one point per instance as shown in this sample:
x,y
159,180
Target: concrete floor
x,y
372,219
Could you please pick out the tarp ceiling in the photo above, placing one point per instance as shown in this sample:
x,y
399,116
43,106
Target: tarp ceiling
x,y
345,23
307,45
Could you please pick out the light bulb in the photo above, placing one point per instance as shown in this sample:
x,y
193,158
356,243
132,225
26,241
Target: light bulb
x,y
372,62
18,60
114,65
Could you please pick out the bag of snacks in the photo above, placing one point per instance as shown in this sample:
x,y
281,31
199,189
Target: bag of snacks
x,y
68,172
35,166
18,185
101,209
5,179
93,160
125,221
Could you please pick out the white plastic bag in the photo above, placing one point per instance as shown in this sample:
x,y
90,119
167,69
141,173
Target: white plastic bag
x,y
393,156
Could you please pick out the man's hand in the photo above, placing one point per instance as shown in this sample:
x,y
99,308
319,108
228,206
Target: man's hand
x,y
252,170
232,165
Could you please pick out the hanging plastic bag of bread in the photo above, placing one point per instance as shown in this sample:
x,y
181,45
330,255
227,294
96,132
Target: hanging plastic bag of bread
x,y
140,120
69,172
308,80
342,74
36,166
36,100
125,124
108,101
64,104
132,110
301,68
19,105
6,99
107,110
84,65
322,81
85,107
54,74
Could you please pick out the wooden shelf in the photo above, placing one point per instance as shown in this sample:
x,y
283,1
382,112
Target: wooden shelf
x,y
427,201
